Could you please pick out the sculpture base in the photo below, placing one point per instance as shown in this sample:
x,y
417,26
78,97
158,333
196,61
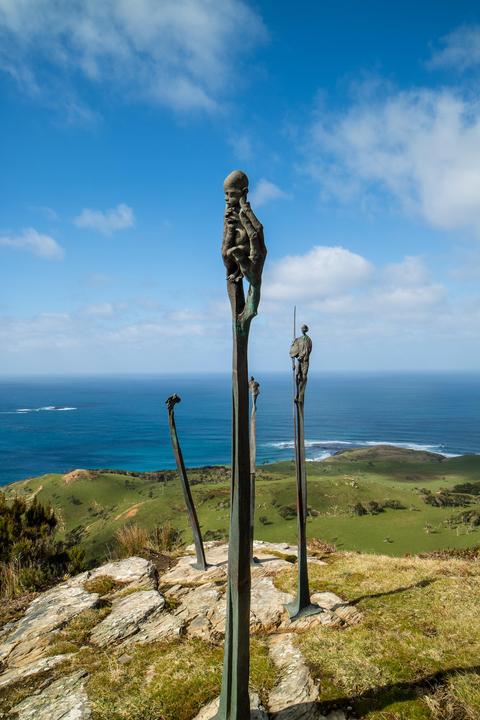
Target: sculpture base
x,y
211,711
295,613
199,566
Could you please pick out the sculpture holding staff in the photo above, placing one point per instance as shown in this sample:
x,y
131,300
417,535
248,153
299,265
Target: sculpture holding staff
x,y
300,351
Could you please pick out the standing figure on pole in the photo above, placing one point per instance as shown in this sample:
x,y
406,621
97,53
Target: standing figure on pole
x,y
243,253
254,392
201,563
300,355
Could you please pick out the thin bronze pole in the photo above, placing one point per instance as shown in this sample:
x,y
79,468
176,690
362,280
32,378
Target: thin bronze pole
x,y
201,563
243,252
300,354
254,392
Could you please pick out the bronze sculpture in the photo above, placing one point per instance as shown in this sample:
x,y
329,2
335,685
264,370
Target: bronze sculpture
x,y
254,393
300,354
243,253
201,563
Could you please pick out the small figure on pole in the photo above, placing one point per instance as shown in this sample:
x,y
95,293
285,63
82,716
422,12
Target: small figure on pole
x,y
201,563
300,354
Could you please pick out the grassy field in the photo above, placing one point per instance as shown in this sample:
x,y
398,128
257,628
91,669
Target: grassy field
x,y
414,655
378,500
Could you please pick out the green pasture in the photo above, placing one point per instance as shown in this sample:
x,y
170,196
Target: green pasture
x,y
95,505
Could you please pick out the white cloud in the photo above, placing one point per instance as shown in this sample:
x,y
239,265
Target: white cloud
x,y
103,309
35,242
410,271
180,53
242,146
321,272
461,49
264,191
106,222
52,331
420,147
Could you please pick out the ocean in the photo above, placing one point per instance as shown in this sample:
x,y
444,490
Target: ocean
x,y
56,425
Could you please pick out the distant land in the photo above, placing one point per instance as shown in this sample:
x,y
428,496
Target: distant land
x,y
382,499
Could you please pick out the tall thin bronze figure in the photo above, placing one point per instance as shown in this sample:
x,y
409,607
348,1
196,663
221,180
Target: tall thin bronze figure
x,y
243,252
254,393
201,563
300,355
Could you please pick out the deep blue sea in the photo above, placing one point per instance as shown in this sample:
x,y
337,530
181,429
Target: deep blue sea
x,y
56,425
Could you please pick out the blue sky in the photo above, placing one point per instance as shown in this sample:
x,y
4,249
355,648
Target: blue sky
x,y
357,123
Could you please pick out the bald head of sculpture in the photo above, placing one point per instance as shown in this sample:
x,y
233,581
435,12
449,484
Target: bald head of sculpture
x,y
235,186
304,329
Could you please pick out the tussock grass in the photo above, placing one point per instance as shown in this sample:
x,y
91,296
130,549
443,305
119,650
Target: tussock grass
x,y
417,650
133,539
103,585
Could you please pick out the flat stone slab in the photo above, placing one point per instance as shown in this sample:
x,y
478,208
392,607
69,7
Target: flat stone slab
x,y
159,627
17,674
295,696
267,610
24,642
65,699
341,609
51,610
136,572
127,616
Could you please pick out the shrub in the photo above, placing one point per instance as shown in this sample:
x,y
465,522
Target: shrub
x,y
287,512
360,509
393,505
30,557
374,507
219,534
469,488
467,517
446,499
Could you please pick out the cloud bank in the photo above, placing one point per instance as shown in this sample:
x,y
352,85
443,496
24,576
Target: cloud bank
x,y
418,148
178,53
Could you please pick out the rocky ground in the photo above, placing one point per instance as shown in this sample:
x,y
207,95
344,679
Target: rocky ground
x,y
133,607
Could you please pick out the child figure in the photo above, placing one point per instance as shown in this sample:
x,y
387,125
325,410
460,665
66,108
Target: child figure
x,y
236,244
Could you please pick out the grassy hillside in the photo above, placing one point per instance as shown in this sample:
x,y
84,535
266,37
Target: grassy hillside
x,y
381,500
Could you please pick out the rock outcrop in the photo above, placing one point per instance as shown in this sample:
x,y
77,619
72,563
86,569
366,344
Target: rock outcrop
x,y
131,607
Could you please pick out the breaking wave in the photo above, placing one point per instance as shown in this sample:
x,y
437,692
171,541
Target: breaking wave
x,y
46,408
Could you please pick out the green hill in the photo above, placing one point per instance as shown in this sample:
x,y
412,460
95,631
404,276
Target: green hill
x,y
382,500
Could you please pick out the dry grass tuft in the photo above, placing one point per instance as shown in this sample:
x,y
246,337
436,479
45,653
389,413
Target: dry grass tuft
x,y
135,540
10,579
321,548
